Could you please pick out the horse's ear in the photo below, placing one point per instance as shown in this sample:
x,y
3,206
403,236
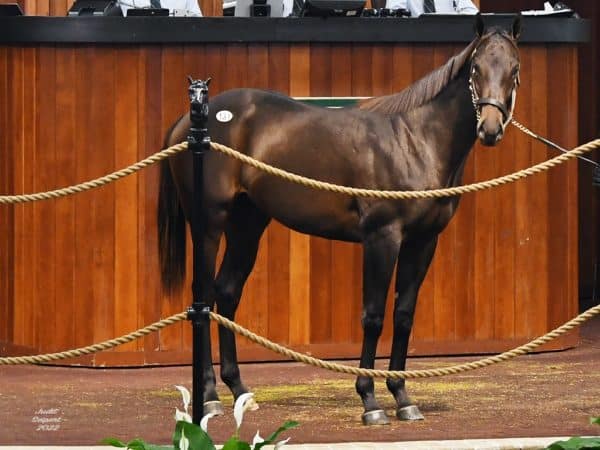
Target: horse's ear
x,y
479,26
208,80
190,79
516,27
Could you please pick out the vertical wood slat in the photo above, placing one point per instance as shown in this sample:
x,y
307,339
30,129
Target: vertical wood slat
x,y
172,103
64,235
150,138
522,244
110,239
7,266
126,199
84,245
44,224
562,185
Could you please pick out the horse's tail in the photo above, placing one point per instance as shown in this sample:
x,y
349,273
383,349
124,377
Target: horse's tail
x,y
171,232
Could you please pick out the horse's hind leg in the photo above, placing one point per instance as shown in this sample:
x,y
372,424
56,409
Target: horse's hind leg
x,y
244,229
380,253
413,261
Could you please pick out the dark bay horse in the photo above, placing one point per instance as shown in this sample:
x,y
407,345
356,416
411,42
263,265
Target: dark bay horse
x,y
414,140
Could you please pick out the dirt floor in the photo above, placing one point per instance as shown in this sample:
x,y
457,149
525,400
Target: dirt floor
x,y
550,394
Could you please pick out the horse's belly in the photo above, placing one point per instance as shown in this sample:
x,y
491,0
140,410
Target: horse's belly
x,y
323,214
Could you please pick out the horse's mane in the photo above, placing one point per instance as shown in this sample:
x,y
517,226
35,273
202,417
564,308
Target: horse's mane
x,y
423,90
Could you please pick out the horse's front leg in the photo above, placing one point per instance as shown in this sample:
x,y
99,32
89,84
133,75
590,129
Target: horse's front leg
x,y
413,261
380,253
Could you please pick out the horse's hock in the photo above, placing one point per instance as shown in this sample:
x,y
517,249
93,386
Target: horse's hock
x,y
505,270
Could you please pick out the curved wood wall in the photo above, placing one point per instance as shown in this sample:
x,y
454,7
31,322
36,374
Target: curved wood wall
x,y
83,269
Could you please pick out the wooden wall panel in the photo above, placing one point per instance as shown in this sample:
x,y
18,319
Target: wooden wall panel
x,y
7,215
589,128
505,270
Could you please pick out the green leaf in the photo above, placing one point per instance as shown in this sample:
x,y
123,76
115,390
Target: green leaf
x,y
137,444
595,420
199,440
159,447
113,442
286,426
576,443
235,444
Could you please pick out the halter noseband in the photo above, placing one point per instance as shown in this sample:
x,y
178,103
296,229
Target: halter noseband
x,y
493,102
478,102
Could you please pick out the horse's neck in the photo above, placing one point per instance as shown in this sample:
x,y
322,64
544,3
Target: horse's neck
x,y
449,128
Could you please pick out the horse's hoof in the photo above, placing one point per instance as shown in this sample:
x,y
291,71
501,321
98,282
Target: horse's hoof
x,y
215,407
410,412
376,417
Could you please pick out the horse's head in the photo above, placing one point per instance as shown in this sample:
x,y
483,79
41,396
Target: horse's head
x,y
494,79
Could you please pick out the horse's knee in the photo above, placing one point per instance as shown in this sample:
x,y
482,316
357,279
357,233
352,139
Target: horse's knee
x,y
372,324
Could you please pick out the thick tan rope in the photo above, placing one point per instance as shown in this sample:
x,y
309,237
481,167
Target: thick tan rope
x,y
303,358
34,359
451,370
6,199
397,195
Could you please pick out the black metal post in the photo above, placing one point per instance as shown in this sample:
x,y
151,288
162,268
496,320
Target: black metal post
x,y
198,143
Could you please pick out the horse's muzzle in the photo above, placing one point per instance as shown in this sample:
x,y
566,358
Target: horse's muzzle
x,y
489,134
490,128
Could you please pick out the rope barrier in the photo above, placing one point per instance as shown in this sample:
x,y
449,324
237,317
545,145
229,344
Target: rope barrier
x,y
400,195
310,360
34,359
86,186
321,185
427,373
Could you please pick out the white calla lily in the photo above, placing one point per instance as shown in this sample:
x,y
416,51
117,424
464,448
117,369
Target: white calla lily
x,y
185,394
257,439
184,443
281,443
204,421
180,415
240,408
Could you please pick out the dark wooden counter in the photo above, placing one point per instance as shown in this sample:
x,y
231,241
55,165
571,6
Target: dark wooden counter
x,y
165,30
83,97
